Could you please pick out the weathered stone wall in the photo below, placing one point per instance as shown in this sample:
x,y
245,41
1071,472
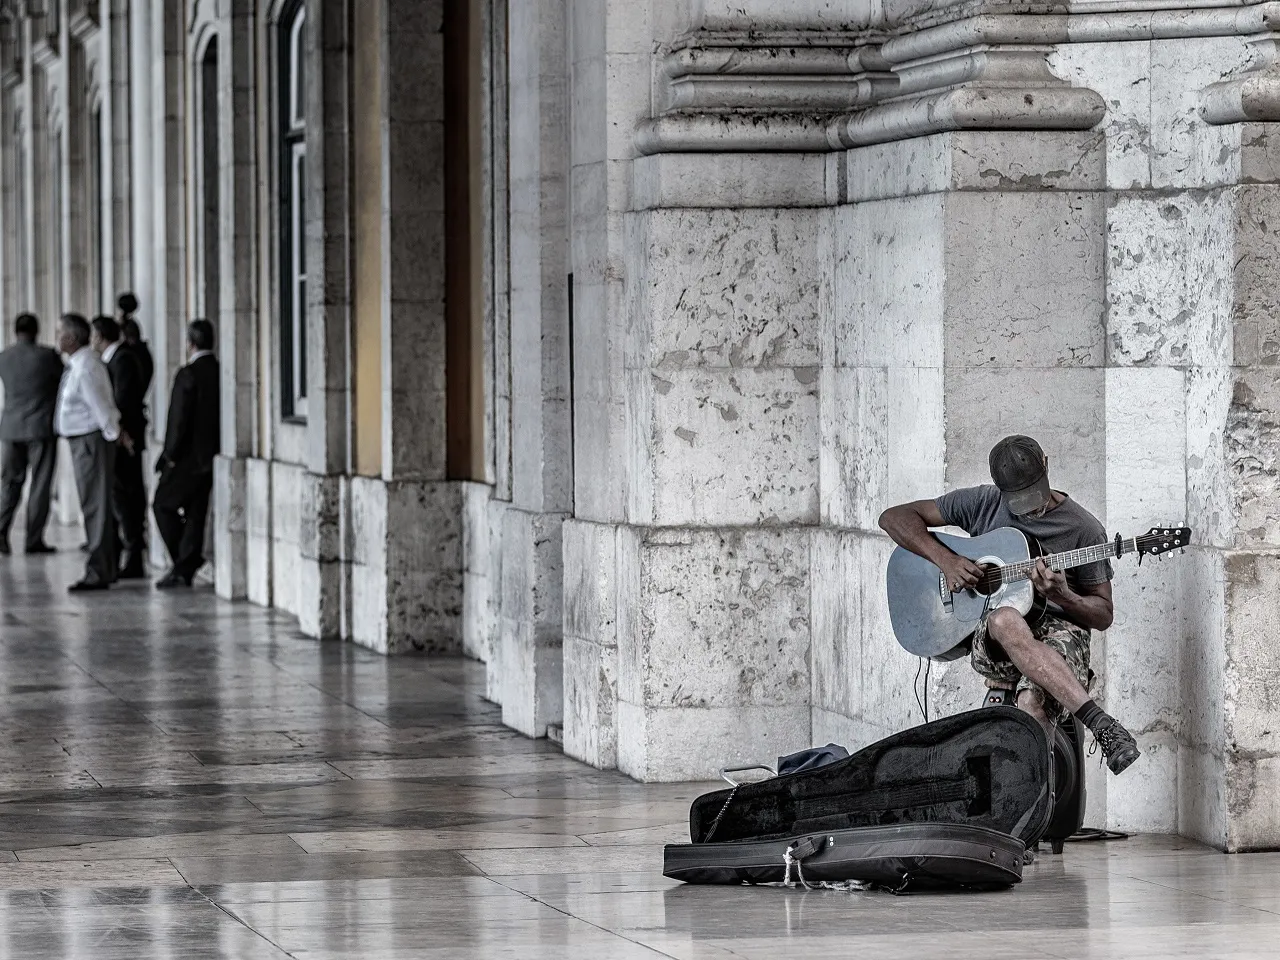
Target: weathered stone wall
x,y
754,271
1101,289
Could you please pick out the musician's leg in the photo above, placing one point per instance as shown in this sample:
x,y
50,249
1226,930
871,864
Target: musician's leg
x,y
1032,700
989,661
1037,661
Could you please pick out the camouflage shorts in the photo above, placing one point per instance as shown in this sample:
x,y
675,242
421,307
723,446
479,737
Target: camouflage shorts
x,y
1067,638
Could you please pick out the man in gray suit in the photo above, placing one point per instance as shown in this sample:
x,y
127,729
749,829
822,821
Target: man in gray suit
x,y
88,417
31,374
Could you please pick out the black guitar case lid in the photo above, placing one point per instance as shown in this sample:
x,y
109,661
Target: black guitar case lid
x,y
908,856
985,768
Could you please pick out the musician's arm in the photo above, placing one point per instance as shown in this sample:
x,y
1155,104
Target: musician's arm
x,y
908,526
1091,607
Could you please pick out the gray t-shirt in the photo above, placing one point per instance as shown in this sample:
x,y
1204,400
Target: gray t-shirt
x,y
1068,526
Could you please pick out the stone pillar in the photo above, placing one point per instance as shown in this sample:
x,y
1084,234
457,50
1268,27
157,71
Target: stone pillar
x,y
237,233
167,140
529,660
487,503
137,166
81,246
609,68
116,70
10,170
788,371
324,578
964,302
1230,756
405,526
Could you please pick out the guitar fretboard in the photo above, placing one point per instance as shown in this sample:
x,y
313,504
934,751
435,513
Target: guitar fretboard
x,y
1068,560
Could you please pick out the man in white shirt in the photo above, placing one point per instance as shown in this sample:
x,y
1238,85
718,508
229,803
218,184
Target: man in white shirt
x,y
88,418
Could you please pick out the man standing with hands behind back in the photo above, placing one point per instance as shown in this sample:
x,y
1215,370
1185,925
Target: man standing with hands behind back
x,y
192,439
31,374
88,418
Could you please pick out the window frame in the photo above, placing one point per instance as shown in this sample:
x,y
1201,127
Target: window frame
x,y
291,146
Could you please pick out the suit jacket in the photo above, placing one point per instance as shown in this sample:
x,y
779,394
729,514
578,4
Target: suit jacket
x,y
146,363
31,375
193,434
131,394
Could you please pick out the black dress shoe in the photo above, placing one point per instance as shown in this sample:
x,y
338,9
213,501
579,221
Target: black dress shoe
x,y
171,580
84,586
132,573
41,548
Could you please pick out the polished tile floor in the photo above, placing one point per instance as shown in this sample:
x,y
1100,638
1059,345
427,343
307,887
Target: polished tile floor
x,y
186,778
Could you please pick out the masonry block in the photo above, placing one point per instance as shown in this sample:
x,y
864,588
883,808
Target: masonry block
x,y
532,678
664,744
230,529
713,625
258,530
590,702
1169,278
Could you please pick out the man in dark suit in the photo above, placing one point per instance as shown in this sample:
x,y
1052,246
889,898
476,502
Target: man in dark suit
x,y
31,374
192,439
133,342
129,491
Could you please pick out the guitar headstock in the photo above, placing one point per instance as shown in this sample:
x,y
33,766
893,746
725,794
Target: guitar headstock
x,y
1161,540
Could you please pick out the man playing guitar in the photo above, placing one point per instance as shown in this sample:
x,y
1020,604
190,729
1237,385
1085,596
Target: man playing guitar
x,y
1048,660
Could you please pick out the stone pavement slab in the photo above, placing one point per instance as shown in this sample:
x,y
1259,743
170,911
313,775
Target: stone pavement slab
x,y
182,777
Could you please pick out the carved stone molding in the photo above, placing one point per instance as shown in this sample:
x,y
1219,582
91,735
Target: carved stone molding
x,y
941,66
1252,96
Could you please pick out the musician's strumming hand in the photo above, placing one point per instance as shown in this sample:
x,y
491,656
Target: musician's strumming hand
x,y
961,572
1050,583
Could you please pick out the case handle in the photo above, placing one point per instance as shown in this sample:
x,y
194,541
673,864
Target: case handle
x,y
727,773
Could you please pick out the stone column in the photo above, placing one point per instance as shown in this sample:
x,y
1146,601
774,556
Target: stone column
x,y
137,166
405,536
787,371
610,59
1229,762
81,248
323,584
529,659
116,113
238,273
10,170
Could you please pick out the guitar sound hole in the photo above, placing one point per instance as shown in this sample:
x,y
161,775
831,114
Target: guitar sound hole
x,y
990,581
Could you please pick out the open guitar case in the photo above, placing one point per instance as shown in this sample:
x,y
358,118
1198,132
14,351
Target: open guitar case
x,y
955,802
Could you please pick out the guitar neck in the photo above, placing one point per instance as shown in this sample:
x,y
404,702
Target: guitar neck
x,y
1069,559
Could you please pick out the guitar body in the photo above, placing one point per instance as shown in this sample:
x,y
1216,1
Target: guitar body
x,y
930,620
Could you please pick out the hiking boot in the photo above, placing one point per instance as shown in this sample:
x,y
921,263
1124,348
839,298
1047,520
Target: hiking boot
x,y
1117,743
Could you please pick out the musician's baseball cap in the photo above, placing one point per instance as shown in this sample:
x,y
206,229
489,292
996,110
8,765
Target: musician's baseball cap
x,y
1018,469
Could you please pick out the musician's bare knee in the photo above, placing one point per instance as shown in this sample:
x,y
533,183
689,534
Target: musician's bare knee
x,y
1007,626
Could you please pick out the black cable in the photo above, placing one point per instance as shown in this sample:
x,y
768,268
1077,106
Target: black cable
x,y
1094,834
928,667
915,688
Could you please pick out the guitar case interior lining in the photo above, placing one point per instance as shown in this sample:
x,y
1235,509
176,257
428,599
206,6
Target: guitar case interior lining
x,y
987,768
907,856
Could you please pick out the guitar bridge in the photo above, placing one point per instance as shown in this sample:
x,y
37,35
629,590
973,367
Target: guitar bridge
x,y
945,593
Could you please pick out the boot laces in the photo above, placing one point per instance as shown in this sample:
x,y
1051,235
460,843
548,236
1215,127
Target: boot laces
x,y
1110,738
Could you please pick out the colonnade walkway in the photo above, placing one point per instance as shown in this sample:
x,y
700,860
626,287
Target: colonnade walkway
x,y
182,777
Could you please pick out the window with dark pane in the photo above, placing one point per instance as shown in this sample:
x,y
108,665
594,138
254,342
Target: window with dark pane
x,y
293,157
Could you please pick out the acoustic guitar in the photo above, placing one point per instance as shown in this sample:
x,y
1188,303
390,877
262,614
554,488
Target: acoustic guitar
x,y
931,620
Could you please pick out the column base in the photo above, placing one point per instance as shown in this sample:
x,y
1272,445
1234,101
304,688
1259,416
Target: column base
x,y
528,672
230,529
